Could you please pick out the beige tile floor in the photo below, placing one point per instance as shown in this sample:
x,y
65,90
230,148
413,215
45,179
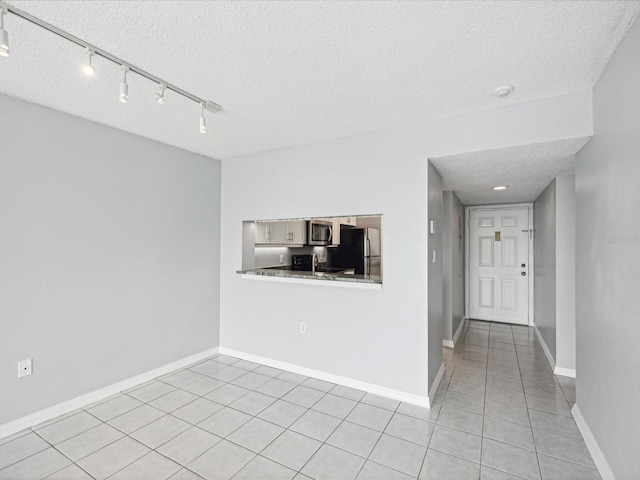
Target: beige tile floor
x,y
499,413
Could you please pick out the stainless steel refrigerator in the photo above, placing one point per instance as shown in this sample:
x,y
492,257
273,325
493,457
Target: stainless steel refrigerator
x,y
360,249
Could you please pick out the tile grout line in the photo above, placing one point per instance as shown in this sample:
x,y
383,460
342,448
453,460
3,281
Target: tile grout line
x,y
62,453
535,446
527,351
484,409
424,461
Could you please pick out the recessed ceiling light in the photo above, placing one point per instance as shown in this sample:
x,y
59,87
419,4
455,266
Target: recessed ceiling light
x,y
499,187
504,90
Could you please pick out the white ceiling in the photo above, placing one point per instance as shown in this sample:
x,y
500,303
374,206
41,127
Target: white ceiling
x,y
525,169
290,73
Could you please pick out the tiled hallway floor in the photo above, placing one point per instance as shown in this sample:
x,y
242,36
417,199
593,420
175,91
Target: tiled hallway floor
x,y
499,413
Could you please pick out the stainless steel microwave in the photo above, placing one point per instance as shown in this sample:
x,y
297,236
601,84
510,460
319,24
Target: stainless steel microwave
x,y
320,232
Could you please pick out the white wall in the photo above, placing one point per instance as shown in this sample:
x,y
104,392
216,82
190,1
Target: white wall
x,y
359,334
452,263
378,337
608,261
109,255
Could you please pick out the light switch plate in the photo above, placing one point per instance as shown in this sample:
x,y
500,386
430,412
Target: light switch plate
x,y
432,227
433,257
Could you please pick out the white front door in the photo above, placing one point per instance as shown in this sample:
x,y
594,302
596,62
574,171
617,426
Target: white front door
x,y
499,264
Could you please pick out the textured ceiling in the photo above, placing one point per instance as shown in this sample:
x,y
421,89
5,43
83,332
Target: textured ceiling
x,y
526,170
290,73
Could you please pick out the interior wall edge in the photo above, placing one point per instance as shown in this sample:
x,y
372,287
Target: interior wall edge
x,y
594,449
547,352
68,406
459,330
332,378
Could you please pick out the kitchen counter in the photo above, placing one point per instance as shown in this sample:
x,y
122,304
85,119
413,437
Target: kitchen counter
x,y
286,272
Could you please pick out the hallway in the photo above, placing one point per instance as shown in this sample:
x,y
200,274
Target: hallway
x,y
501,405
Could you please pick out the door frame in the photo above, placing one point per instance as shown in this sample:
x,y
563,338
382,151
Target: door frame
x,y
467,251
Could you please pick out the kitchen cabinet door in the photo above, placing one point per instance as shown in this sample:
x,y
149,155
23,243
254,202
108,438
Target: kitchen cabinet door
x,y
297,232
279,233
335,231
348,221
262,233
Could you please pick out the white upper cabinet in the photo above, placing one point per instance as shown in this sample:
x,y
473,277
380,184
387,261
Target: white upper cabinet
x,y
297,232
281,233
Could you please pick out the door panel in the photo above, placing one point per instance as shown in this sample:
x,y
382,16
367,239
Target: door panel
x,y
486,222
509,221
509,294
498,249
486,252
486,292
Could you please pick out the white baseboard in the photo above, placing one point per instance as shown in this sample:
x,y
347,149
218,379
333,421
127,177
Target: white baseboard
x,y
436,383
452,343
547,352
457,334
92,397
329,377
594,449
565,372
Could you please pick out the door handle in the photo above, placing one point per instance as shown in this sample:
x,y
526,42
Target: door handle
x,y
523,273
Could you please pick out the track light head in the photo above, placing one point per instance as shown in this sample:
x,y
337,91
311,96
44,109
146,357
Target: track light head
x,y
160,95
88,68
203,121
4,35
124,86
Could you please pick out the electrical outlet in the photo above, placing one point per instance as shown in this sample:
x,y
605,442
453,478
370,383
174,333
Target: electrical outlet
x,y
303,327
24,368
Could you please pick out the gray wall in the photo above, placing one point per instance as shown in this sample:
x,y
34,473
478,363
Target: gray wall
x,y
544,284
457,264
452,263
566,271
608,261
435,309
554,213
109,254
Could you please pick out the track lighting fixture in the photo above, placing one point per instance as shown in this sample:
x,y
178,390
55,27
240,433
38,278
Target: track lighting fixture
x,y
203,122
4,36
89,68
160,95
124,86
